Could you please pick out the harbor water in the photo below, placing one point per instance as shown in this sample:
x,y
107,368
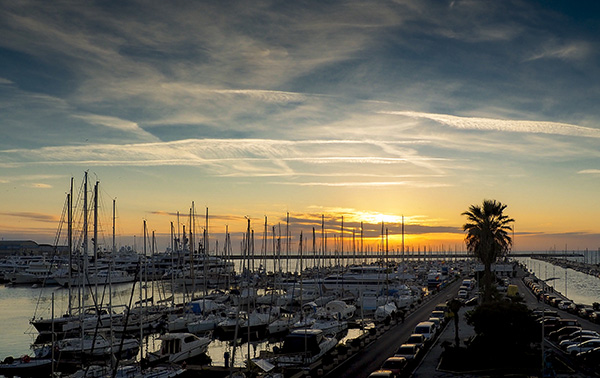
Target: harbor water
x,y
18,305
577,286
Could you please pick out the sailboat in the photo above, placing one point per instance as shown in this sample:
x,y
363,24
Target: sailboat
x,y
179,347
96,346
26,367
302,347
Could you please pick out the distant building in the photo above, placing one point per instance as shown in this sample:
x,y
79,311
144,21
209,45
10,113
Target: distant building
x,y
29,247
500,269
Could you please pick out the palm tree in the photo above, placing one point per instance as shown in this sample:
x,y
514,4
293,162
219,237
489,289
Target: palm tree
x,y
487,238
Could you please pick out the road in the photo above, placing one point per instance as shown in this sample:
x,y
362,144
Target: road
x,y
372,356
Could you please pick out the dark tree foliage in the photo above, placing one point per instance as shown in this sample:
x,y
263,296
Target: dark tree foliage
x,y
504,325
506,334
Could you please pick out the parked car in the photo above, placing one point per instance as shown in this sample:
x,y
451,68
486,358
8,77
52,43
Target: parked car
x,y
595,317
575,308
574,341
564,305
382,374
437,322
472,302
426,329
395,364
585,312
582,332
555,301
469,284
442,315
589,358
567,330
408,351
444,308
550,323
417,339
539,312
568,322
584,346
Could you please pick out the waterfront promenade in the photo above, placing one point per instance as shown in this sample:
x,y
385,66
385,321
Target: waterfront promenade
x,y
428,366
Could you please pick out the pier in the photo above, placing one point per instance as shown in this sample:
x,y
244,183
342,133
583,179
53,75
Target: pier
x,y
397,256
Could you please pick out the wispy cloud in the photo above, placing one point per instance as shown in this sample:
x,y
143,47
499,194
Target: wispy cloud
x,y
32,216
265,95
577,50
589,172
116,123
366,184
223,156
489,124
26,180
38,185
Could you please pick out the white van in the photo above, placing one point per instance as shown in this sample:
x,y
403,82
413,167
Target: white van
x,y
426,329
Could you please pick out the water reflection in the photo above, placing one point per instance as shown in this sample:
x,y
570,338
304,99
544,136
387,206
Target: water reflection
x,y
579,287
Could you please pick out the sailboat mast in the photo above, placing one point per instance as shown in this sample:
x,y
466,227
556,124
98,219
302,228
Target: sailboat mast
x,y
274,258
387,279
83,272
192,246
323,236
205,256
354,246
342,248
95,239
402,239
178,232
114,246
265,245
279,249
152,249
287,238
172,265
206,234
70,242
145,288
361,240
314,248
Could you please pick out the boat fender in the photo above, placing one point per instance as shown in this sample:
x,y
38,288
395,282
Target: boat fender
x,y
9,360
25,358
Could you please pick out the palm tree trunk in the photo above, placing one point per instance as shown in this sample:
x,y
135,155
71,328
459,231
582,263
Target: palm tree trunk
x,y
487,281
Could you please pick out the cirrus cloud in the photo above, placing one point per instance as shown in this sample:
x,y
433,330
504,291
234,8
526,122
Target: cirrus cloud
x,y
490,124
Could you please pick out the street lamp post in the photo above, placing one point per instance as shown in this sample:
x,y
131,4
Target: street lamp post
x,y
544,322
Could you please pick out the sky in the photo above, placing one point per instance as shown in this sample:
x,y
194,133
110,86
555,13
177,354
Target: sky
x,y
394,112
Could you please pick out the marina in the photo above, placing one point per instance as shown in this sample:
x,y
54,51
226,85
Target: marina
x,y
347,306
339,311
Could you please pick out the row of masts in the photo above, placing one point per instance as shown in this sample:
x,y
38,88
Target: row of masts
x,y
178,242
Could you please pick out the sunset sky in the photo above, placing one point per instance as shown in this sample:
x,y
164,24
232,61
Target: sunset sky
x,y
370,110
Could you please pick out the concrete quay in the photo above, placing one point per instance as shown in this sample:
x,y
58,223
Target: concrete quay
x,y
429,365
